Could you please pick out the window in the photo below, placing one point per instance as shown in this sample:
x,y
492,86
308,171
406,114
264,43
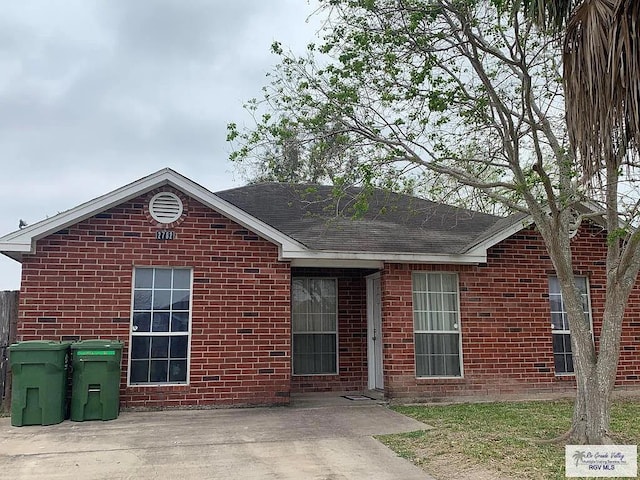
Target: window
x,y
314,318
436,324
160,326
562,357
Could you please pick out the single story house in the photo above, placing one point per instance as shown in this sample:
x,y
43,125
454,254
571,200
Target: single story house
x,y
245,296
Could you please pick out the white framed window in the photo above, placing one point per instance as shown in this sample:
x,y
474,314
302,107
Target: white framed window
x,y
562,356
160,326
436,323
314,326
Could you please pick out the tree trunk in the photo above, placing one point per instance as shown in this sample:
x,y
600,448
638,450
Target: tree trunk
x,y
591,414
596,371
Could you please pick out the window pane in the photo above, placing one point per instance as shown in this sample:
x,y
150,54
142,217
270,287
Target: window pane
x,y
140,347
163,278
177,370
299,295
562,356
144,278
180,300
435,321
329,323
569,363
182,279
159,370
314,354
161,299
142,322
180,322
299,323
139,371
142,300
420,321
557,322
434,282
179,346
555,303
450,321
585,303
329,304
159,347
435,302
581,283
449,283
437,354
561,343
160,322
419,282
419,301
449,302
314,303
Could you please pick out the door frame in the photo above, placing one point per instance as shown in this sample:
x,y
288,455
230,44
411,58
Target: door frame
x,y
375,363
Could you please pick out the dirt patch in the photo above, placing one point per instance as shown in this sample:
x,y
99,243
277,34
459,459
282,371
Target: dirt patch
x,y
441,467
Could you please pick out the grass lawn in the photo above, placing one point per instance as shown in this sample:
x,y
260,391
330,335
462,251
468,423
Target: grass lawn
x,y
499,438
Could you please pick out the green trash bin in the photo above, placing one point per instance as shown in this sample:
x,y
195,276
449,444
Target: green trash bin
x,y
95,385
39,370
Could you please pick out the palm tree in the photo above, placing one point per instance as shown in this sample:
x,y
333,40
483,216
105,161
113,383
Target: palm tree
x,y
601,60
601,78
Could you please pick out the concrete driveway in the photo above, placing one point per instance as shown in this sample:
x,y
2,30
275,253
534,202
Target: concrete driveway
x,y
324,442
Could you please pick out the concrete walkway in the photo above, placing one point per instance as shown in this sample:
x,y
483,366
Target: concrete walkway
x,y
317,441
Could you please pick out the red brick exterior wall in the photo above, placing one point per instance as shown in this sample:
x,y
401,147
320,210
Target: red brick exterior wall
x,y
78,285
505,322
352,334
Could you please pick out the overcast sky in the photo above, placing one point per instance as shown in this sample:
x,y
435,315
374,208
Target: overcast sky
x,y
95,94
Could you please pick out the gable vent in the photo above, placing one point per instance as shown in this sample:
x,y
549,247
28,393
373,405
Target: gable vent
x,y
165,207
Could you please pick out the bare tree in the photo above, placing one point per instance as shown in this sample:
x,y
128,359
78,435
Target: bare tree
x,y
468,91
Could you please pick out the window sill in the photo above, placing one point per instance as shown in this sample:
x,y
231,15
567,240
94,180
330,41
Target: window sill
x,y
440,379
176,386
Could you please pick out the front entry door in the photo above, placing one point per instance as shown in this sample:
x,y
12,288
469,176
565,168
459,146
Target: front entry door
x,y
374,330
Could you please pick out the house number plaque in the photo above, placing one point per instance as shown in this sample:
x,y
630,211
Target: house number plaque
x,y
165,235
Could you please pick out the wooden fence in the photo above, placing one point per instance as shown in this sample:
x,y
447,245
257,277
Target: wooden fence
x,y
8,322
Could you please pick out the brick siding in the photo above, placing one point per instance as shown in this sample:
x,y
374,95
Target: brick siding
x,y
505,322
78,286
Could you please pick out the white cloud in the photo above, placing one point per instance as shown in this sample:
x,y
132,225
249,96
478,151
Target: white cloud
x,y
95,94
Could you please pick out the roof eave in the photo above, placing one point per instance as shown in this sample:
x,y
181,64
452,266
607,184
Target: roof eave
x,y
310,256
24,240
498,237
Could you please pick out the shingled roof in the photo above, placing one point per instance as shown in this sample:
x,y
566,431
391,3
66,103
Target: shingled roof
x,y
320,220
310,225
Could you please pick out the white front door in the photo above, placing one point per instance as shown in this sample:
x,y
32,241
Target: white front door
x,y
374,332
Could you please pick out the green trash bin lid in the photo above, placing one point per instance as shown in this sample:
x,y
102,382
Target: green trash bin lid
x,y
96,347
38,345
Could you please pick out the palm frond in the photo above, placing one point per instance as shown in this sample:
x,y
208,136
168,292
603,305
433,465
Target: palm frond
x,y
602,78
550,14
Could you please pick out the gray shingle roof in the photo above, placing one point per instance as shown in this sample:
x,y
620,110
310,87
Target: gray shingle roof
x,y
393,223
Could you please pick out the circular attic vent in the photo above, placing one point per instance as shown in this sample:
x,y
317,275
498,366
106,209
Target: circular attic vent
x,y
165,207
